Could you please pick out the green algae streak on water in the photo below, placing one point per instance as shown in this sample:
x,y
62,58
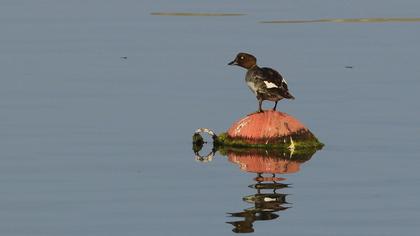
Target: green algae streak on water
x,y
195,14
343,20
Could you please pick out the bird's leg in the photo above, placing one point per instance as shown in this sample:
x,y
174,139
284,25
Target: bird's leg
x,y
260,100
260,105
275,105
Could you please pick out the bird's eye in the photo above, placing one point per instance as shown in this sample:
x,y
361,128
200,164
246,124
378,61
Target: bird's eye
x,y
242,58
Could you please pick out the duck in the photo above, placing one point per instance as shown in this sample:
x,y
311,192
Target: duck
x,y
266,83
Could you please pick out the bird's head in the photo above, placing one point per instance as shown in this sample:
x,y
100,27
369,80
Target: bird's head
x,y
244,60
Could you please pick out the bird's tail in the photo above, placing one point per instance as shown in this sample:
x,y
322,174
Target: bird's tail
x,y
288,95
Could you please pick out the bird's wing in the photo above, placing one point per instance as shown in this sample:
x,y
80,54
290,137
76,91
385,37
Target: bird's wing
x,y
274,79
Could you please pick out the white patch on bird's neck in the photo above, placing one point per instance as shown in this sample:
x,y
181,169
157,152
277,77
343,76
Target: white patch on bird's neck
x,y
270,85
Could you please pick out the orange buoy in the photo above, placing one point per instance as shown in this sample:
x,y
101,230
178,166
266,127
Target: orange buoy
x,y
268,124
270,128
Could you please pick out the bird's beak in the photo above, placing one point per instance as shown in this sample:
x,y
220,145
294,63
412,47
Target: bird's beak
x,y
232,63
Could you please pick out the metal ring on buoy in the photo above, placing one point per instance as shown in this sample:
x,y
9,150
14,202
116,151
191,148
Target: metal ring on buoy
x,y
206,130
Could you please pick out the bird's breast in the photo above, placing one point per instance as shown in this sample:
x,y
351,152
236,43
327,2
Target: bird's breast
x,y
252,86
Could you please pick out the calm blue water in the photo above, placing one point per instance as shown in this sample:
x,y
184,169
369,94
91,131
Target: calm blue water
x,y
93,144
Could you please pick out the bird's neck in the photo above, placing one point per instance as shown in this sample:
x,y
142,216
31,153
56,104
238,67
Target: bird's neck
x,y
252,67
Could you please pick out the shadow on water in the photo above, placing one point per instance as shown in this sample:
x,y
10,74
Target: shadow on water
x,y
269,198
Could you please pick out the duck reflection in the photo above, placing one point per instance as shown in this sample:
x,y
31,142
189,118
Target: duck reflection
x,y
269,199
266,202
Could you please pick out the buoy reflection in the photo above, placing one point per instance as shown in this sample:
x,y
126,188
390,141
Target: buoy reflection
x,y
270,197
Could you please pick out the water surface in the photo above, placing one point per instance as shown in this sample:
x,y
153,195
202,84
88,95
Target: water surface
x,y
95,144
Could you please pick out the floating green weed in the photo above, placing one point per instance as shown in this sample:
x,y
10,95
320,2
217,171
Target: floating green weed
x,y
194,14
343,20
